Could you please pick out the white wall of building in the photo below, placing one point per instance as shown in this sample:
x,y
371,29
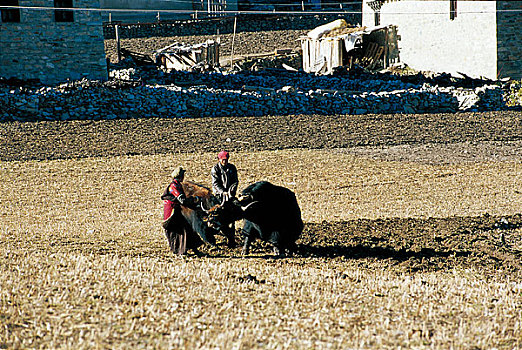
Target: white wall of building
x,y
430,40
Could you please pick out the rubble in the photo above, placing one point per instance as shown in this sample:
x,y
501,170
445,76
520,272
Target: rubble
x,y
336,44
137,57
180,56
280,59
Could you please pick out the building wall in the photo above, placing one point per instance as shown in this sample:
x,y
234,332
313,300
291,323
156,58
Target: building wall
x,y
509,37
430,40
40,48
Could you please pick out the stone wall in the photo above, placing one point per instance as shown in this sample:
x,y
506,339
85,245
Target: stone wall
x,y
38,47
224,25
241,94
430,40
509,36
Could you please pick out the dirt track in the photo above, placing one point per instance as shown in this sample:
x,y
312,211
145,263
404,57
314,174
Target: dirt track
x,y
407,243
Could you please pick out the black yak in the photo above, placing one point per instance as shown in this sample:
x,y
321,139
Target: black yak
x,y
270,213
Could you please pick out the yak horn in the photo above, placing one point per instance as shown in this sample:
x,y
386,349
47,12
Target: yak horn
x,y
242,197
203,208
248,205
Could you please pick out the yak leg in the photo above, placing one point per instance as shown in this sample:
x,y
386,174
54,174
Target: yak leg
x,y
279,250
246,244
249,232
170,240
249,238
277,242
291,247
229,232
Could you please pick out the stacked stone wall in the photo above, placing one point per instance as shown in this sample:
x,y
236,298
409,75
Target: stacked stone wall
x,y
509,37
224,25
38,47
94,100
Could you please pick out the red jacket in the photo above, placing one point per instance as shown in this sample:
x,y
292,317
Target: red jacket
x,y
170,196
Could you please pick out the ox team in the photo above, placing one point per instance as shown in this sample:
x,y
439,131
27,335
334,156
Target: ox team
x,y
193,216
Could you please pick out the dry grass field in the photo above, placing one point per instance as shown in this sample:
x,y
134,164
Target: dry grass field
x,y
412,239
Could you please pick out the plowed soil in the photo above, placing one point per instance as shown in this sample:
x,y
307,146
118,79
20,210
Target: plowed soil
x,y
404,221
79,139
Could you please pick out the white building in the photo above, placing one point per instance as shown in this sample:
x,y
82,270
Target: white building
x,y
477,38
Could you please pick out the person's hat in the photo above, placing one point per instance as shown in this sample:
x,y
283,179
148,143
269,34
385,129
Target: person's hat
x,y
223,155
178,172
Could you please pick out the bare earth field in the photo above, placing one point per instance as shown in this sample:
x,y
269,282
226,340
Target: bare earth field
x,y
413,235
245,43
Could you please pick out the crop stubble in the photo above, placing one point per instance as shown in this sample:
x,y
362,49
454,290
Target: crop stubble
x,y
413,241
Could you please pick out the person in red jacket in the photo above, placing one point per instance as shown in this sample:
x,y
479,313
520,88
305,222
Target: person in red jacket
x,y
178,231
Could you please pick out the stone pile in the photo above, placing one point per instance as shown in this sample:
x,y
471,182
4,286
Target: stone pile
x,y
138,93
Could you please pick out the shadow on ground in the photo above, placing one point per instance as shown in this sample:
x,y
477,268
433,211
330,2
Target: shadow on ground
x,y
410,244
421,244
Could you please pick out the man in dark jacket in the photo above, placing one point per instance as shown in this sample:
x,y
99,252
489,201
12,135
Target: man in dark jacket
x,y
224,185
224,177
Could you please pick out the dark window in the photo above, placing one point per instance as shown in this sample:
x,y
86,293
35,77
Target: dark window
x,y
63,15
377,17
453,9
10,15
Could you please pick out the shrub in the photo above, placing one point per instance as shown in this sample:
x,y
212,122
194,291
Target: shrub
x,y
514,94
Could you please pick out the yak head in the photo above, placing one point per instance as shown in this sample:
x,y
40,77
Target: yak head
x,y
228,211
